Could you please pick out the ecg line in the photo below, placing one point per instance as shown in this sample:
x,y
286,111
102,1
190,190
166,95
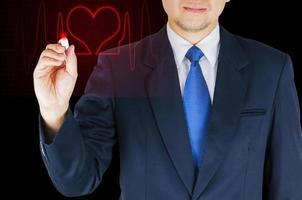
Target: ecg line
x,y
60,26
93,14
40,36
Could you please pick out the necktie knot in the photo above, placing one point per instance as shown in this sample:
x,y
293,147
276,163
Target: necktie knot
x,y
194,54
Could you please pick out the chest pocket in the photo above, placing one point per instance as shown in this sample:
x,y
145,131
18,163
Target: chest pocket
x,y
246,112
250,123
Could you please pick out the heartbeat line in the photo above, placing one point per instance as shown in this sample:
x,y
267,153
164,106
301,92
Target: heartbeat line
x,y
124,28
93,15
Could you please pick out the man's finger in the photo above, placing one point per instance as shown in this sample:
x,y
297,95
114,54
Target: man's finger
x,y
71,61
56,47
46,62
53,54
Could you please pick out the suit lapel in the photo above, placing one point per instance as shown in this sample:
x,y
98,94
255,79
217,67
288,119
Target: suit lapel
x,y
166,102
229,95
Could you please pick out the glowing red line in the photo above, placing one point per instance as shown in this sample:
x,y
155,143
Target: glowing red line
x,y
41,11
147,15
60,27
93,14
41,8
127,26
42,26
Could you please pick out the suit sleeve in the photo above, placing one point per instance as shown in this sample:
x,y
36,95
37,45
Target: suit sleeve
x,y
285,164
82,149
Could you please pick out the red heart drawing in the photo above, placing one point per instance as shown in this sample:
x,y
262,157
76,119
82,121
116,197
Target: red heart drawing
x,y
76,34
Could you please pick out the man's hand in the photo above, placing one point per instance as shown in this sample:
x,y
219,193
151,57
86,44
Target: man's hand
x,y
54,80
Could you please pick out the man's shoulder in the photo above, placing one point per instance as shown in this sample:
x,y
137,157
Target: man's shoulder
x,y
261,52
265,63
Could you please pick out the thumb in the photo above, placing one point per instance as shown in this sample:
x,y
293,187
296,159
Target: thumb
x,y
71,61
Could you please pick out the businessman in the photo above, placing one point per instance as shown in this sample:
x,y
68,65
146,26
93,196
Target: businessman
x,y
204,115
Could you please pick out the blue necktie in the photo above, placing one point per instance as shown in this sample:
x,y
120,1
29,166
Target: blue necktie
x,y
197,104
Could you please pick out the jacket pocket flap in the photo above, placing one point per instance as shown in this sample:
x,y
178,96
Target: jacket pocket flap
x,y
252,111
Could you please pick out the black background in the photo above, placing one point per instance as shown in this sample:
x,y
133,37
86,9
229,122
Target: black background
x,y
24,35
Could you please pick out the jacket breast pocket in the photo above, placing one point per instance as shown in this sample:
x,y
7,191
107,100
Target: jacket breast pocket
x,y
246,112
250,125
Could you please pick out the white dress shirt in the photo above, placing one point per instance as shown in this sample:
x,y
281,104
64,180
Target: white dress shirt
x,y
210,46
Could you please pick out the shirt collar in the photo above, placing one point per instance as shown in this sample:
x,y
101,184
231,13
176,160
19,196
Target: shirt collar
x,y
209,45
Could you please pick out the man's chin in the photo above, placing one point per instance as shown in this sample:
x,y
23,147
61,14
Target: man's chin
x,y
192,27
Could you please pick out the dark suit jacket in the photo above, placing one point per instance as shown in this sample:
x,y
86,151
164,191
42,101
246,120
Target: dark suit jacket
x,y
253,147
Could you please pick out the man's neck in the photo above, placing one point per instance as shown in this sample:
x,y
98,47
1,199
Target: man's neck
x,y
192,37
